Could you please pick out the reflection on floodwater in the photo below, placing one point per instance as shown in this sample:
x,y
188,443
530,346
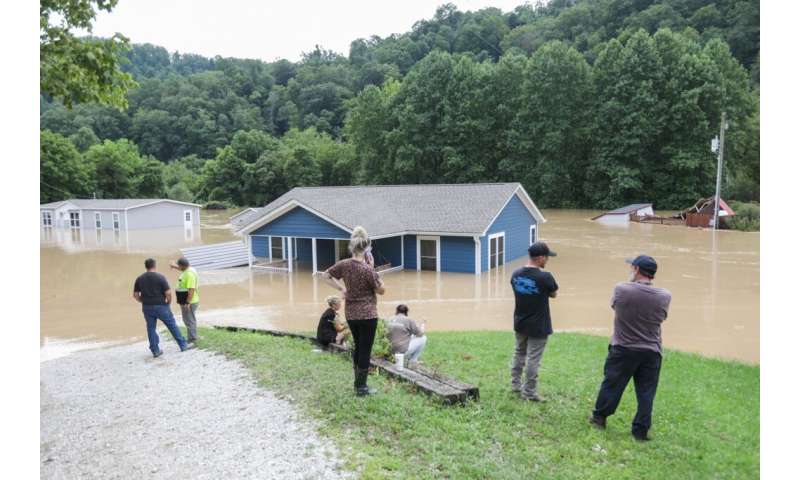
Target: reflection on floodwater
x,y
714,278
129,241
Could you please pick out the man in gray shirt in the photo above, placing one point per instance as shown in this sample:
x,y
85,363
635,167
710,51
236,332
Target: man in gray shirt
x,y
635,348
405,335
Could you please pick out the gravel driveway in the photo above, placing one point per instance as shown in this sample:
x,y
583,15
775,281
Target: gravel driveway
x,y
118,413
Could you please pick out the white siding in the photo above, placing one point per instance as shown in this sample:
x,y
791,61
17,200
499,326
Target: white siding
x,y
160,215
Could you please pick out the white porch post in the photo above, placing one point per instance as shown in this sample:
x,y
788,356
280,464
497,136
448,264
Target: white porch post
x,y
402,252
289,253
477,255
313,256
249,244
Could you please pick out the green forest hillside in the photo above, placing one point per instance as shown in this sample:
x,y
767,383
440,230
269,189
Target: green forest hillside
x,y
591,103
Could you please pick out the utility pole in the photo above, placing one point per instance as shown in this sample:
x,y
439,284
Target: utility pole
x,y
720,157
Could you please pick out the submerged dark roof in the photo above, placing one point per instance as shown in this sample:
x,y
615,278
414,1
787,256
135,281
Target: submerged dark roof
x,y
388,209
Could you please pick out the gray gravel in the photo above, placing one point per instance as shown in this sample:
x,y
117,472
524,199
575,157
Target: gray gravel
x,y
119,413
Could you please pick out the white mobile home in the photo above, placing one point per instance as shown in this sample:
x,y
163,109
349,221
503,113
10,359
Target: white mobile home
x,y
119,214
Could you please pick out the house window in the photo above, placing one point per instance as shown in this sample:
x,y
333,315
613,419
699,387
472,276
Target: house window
x,y
187,216
75,219
98,220
533,234
276,248
115,220
429,253
497,249
47,219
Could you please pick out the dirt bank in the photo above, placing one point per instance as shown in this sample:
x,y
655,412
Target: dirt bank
x,y
119,413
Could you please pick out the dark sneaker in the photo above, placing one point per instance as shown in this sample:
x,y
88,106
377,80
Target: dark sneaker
x,y
533,398
189,346
641,437
599,422
365,391
158,354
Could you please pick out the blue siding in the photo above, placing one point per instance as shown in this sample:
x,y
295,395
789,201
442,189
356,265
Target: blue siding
x,y
410,247
515,220
458,254
299,222
387,249
260,247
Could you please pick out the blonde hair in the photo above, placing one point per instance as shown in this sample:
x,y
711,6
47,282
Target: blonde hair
x,y
332,300
359,240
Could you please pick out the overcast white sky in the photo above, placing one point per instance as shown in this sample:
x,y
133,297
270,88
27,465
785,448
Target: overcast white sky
x,y
268,29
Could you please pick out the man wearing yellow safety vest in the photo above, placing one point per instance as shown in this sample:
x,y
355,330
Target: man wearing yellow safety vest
x,y
188,283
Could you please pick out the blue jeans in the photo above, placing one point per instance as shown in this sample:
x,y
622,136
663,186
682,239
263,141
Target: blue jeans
x,y
415,347
153,313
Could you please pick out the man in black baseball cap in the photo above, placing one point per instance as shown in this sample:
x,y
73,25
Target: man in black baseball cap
x,y
533,289
635,348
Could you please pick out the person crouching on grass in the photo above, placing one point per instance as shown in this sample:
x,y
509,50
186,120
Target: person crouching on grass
x,y
405,335
330,328
360,284
635,347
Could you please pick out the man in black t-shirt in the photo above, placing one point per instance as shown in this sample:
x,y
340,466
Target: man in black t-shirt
x,y
533,289
152,290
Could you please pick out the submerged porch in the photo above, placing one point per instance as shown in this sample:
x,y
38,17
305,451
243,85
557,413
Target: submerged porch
x,y
288,254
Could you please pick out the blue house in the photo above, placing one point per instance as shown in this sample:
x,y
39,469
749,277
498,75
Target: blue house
x,y
467,228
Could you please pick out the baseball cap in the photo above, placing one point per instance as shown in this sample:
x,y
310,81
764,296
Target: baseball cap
x,y
540,249
646,264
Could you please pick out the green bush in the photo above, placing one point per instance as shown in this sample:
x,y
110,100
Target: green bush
x,y
382,348
747,218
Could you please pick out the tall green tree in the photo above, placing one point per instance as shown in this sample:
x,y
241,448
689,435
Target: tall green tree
x,y
222,176
550,136
150,178
80,69
63,173
371,122
117,167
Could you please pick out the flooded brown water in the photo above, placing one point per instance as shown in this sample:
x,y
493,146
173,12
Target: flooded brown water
x,y
714,278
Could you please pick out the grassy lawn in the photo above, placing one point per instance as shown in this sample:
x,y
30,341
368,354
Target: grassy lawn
x,y
706,417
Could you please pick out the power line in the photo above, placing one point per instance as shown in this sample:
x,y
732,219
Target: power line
x,y
54,188
68,194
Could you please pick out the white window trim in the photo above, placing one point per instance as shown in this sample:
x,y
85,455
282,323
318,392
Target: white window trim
x,y
116,224
191,217
489,249
535,233
438,252
98,216
49,216
80,219
283,247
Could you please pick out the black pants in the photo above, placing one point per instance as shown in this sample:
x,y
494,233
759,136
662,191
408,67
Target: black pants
x,y
622,364
363,337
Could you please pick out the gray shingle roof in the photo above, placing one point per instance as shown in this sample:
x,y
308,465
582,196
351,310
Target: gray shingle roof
x,y
630,208
110,203
387,209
